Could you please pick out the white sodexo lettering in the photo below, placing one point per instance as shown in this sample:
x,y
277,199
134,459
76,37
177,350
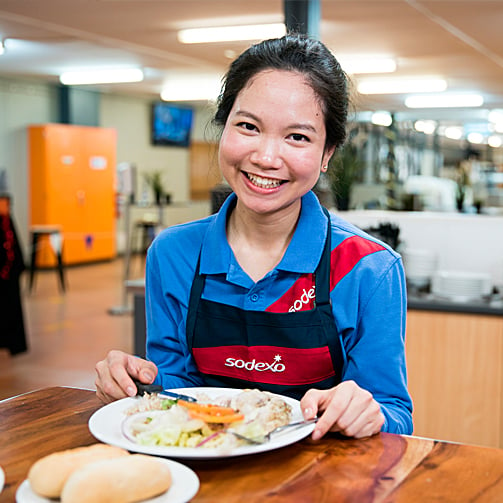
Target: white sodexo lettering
x,y
305,298
254,365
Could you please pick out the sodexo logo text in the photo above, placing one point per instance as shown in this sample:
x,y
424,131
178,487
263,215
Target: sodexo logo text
x,y
275,366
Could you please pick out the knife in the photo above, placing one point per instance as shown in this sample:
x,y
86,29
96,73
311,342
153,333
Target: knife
x,y
141,389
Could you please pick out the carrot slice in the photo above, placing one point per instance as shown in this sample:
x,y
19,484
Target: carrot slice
x,y
207,408
215,418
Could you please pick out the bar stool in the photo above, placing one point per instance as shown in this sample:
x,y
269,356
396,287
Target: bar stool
x,y
142,235
146,231
46,231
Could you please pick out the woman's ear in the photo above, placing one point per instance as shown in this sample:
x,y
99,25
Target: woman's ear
x,y
327,154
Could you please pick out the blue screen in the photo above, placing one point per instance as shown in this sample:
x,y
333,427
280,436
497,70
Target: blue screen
x,y
171,125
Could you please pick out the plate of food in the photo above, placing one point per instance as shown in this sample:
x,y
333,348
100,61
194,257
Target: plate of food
x,y
205,429
88,474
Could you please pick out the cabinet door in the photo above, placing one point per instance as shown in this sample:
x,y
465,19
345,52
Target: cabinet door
x,y
98,166
456,376
56,179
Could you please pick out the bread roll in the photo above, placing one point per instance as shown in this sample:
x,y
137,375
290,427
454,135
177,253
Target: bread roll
x,y
121,480
48,475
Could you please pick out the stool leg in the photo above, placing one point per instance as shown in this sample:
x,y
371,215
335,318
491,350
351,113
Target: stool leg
x,y
33,263
61,271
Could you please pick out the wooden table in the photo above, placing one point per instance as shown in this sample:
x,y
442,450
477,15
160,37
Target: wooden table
x,y
384,468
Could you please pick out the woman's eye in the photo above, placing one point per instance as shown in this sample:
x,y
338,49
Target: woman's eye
x,y
299,137
247,126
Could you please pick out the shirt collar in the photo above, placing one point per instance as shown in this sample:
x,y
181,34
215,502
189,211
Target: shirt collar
x,y
304,251
302,255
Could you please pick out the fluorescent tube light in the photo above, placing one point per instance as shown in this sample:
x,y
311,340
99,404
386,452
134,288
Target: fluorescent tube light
x,y
204,87
401,86
369,64
494,141
496,116
108,76
382,118
425,126
231,33
453,132
477,138
444,101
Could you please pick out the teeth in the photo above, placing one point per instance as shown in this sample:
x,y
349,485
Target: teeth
x,y
264,183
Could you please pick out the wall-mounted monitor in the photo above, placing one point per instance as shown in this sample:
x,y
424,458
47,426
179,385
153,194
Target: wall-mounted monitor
x,y
171,124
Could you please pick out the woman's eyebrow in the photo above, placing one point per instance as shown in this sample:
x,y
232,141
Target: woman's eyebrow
x,y
303,125
244,113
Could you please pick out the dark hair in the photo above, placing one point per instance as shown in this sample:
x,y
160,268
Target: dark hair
x,y
296,53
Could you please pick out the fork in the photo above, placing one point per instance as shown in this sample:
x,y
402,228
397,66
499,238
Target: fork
x,y
267,437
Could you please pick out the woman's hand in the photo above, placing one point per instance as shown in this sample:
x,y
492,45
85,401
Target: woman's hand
x,y
346,408
116,373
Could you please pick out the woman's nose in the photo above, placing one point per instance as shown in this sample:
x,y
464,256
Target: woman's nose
x,y
267,153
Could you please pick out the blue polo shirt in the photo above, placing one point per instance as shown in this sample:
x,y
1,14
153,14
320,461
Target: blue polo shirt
x,y
368,298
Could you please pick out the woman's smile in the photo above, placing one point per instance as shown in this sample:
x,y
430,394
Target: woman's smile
x,y
263,182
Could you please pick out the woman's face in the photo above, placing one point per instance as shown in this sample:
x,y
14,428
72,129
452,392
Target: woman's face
x,y
272,147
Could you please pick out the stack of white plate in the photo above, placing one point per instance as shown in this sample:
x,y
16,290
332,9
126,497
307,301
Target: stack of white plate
x,y
461,286
419,266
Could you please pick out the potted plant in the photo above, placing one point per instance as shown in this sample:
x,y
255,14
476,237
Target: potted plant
x,y
462,183
154,180
342,172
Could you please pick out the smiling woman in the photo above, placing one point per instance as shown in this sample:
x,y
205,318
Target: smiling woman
x,y
273,292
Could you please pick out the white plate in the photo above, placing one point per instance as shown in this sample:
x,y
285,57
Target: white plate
x,y
106,425
2,479
183,488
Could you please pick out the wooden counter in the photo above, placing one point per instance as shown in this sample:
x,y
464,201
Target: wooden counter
x,y
455,368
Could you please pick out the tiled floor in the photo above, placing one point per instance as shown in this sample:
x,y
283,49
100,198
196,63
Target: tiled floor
x,y
68,333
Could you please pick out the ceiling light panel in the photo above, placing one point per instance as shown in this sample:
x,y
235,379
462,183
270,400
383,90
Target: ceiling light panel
x,y
201,87
231,33
101,76
453,133
425,126
401,86
495,141
382,119
444,101
477,138
369,64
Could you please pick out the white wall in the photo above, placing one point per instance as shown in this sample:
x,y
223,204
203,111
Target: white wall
x,y
21,103
462,242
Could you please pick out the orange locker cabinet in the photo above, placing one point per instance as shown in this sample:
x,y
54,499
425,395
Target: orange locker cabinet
x,y
72,181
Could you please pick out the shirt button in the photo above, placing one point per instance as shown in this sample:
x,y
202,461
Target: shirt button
x,y
254,297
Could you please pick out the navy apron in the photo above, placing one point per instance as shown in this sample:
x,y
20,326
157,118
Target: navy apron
x,y
285,353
